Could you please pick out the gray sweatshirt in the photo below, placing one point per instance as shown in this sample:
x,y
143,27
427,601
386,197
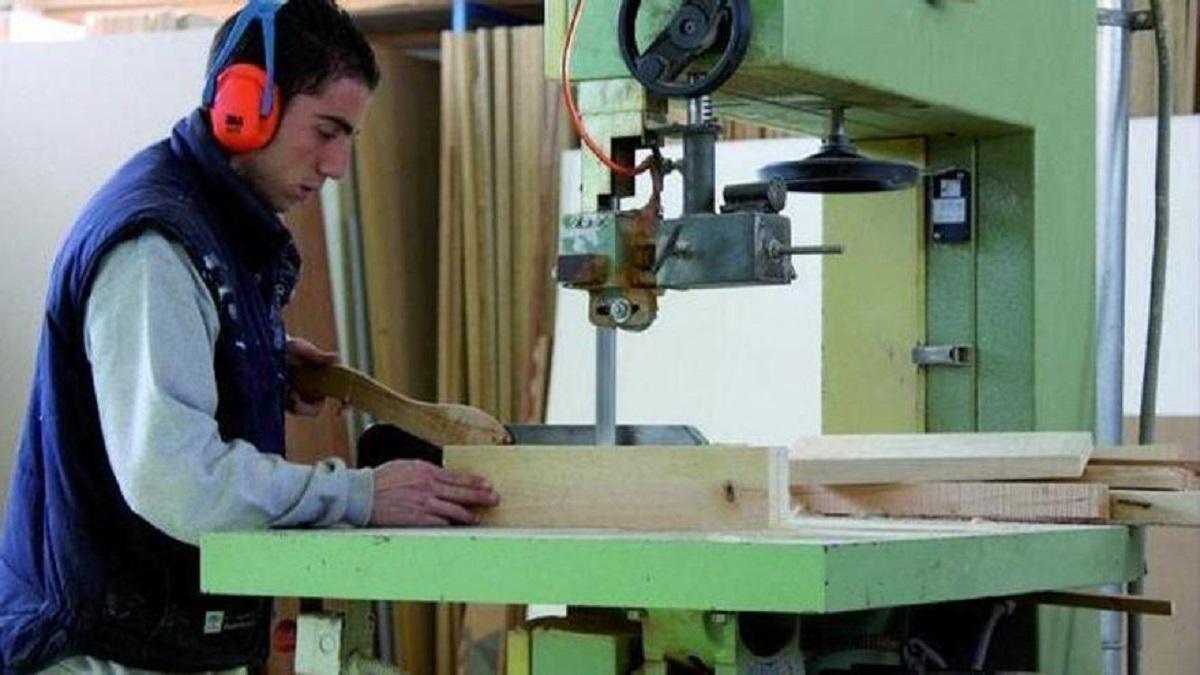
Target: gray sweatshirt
x,y
150,334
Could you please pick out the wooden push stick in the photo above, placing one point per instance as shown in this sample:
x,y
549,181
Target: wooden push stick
x,y
1130,604
441,424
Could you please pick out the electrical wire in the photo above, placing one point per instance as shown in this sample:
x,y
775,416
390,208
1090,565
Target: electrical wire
x,y
573,111
1162,227
1158,282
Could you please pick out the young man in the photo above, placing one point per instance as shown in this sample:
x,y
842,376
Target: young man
x,y
161,382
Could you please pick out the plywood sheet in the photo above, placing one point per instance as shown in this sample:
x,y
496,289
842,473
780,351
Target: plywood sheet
x,y
397,181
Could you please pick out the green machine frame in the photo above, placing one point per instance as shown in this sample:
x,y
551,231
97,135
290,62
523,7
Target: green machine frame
x,y
1001,88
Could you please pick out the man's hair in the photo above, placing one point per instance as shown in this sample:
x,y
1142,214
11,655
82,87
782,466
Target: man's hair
x,y
315,43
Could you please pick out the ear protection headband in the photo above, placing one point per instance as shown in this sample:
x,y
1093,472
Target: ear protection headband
x,y
242,99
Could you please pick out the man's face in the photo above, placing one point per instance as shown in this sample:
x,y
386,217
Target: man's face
x,y
312,143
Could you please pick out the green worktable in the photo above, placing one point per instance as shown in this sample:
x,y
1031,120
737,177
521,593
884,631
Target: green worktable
x,y
811,566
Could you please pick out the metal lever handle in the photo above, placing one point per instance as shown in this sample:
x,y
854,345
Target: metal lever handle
x,y
776,249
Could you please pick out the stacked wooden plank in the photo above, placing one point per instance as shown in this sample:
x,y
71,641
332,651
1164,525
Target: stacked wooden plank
x,y
1027,477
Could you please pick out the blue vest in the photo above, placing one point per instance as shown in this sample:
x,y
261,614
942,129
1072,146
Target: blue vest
x,y
81,573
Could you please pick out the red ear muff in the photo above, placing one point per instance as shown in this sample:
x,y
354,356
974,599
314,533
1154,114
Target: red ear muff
x,y
236,122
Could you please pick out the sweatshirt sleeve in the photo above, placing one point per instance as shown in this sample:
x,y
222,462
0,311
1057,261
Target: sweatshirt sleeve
x,y
150,333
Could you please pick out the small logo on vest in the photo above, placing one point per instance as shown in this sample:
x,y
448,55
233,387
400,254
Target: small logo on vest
x,y
214,622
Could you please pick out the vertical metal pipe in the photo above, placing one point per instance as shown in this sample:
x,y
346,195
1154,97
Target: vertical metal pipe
x,y
458,16
606,386
1112,169
699,159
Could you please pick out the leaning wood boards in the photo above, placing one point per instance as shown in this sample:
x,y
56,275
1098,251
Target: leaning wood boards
x,y
711,487
854,459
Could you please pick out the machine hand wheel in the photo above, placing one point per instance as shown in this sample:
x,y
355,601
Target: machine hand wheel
x,y
699,27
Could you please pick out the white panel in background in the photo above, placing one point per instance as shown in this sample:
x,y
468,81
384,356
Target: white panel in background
x,y
72,113
1179,358
741,365
29,26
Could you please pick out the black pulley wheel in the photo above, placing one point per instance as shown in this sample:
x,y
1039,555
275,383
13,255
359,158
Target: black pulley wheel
x,y
840,169
698,28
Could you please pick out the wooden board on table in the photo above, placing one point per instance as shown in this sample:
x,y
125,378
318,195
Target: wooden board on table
x,y
880,458
1150,507
1035,502
640,488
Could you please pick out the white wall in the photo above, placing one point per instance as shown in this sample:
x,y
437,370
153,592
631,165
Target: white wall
x,y
1179,372
741,365
72,112
27,26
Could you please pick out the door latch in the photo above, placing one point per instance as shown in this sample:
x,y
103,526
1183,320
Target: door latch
x,y
958,356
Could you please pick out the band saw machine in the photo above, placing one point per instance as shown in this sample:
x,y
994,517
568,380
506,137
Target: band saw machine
x,y
958,168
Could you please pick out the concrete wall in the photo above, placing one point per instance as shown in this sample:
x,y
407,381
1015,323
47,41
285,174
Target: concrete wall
x,y
72,112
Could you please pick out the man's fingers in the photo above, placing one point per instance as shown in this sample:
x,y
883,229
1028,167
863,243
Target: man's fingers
x,y
302,351
467,496
307,407
326,358
452,512
467,480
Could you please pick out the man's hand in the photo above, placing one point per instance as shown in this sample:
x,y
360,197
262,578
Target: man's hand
x,y
412,492
301,352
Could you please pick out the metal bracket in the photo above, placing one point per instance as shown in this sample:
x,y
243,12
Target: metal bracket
x,y
1134,21
958,356
318,643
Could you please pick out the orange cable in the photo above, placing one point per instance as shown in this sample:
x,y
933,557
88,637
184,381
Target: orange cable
x,y
573,111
